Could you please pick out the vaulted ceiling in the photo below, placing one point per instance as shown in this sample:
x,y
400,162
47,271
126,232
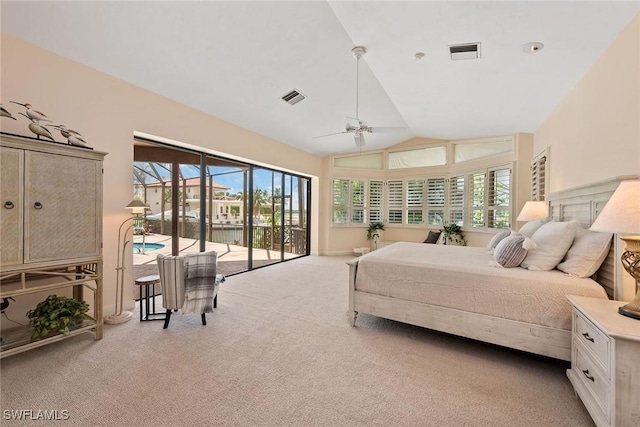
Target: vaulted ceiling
x,y
235,60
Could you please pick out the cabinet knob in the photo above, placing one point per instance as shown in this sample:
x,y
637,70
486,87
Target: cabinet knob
x,y
8,204
37,205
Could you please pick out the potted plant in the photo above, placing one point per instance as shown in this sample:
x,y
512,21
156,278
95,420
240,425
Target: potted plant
x,y
374,230
56,315
453,233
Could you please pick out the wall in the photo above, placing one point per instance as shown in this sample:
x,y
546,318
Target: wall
x,y
107,111
594,133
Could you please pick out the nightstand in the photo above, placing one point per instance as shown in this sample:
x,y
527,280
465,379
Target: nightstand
x,y
605,361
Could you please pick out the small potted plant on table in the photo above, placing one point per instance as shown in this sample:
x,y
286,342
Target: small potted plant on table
x,y
453,234
375,233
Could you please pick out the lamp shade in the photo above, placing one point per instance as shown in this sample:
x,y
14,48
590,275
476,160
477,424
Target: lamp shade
x,y
621,214
533,210
137,206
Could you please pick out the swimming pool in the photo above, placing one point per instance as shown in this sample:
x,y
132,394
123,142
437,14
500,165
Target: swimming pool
x,y
148,247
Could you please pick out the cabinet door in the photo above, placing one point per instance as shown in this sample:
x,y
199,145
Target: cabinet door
x,y
63,198
11,175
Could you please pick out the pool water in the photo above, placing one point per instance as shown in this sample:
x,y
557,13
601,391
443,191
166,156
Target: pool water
x,y
148,247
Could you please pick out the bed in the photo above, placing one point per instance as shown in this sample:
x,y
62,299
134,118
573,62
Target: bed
x,y
456,290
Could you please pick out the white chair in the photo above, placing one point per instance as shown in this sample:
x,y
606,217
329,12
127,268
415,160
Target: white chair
x,y
189,283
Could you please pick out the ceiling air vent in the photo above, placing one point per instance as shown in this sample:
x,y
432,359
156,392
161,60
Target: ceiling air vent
x,y
293,97
465,51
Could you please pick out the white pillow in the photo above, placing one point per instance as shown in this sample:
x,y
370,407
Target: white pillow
x,y
531,227
588,251
497,238
550,244
510,252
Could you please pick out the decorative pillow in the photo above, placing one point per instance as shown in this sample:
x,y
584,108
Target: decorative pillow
x,y
587,253
510,252
433,237
550,244
497,238
531,227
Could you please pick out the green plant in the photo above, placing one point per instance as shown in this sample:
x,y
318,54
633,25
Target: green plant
x,y
453,233
56,314
373,229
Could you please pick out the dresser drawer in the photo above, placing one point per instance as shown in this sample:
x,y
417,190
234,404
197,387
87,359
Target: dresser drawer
x,y
593,378
593,339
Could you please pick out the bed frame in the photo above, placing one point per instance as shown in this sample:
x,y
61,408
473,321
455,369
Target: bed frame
x,y
581,204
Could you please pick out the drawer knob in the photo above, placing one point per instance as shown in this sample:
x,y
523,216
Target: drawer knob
x,y
8,204
37,205
587,337
589,376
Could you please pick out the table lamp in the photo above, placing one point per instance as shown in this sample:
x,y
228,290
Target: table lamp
x,y
532,210
621,214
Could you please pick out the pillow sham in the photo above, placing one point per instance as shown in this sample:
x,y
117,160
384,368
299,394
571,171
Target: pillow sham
x,y
432,237
497,238
550,244
531,227
587,253
510,252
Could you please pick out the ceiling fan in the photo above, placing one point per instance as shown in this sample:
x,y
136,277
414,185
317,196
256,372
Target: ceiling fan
x,y
358,130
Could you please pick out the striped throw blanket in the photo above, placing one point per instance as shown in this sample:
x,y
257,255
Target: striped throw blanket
x,y
200,284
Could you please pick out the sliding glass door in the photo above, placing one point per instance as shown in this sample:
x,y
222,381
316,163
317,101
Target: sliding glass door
x,y
252,216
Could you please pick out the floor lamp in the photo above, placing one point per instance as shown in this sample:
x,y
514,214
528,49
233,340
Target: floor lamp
x,y
120,315
621,214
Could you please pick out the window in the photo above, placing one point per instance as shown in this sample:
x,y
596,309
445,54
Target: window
x,y
395,201
375,201
489,198
476,199
539,176
499,199
435,201
365,161
415,193
477,149
341,201
421,157
456,200
357,201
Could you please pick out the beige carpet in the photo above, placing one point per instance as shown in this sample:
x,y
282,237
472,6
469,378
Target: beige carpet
x,y
279,351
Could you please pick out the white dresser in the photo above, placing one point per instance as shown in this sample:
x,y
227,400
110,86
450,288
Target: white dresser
x,y
605,361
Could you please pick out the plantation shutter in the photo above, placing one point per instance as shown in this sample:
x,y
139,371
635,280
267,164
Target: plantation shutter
x,y
375,201
340,201
415,197
539,177
394,201
476,196
435,201
456,200
498,198
357,201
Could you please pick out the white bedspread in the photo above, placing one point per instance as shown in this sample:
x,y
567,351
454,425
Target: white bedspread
x,y
460,277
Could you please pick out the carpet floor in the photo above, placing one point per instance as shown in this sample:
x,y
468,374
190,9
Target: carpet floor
x,y
279,351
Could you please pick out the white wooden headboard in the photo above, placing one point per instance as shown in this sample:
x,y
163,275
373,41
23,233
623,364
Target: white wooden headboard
x,y
583,204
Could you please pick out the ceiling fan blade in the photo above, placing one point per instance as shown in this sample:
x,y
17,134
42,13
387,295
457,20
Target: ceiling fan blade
x,y
388,129
330,134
